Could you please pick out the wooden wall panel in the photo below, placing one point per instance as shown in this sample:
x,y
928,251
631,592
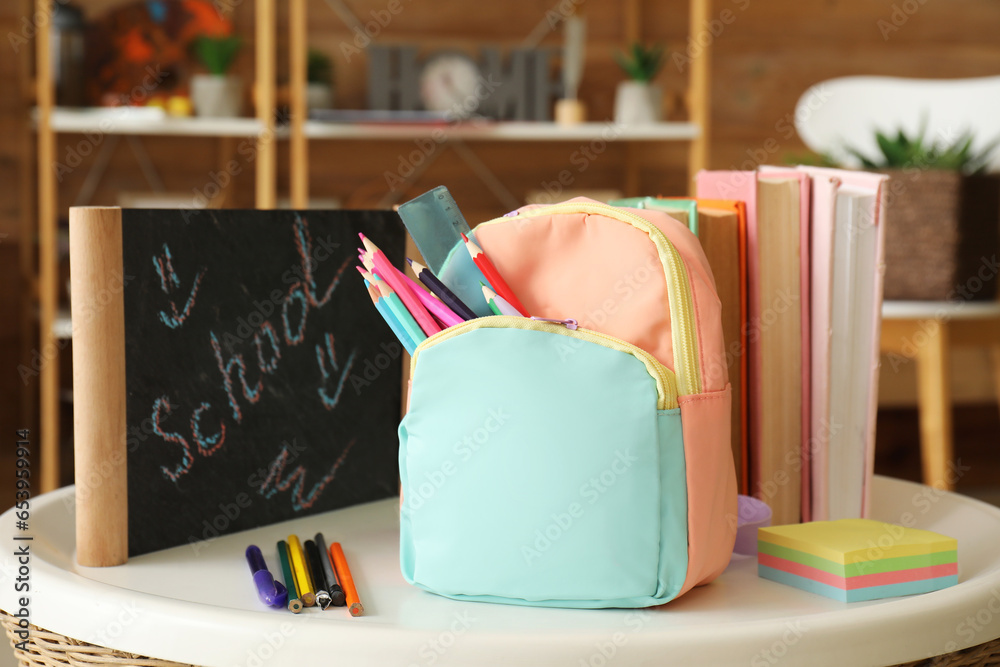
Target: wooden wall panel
x,y
765,57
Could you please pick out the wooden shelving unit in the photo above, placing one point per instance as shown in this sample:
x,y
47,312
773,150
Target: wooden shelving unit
x,y
695,131
54,325
51,121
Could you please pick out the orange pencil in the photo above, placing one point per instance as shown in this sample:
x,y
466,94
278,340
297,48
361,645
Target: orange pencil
x,y
346,580
492,275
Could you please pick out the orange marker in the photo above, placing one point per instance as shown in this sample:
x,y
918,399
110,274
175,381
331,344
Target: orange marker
x,y
492,275
346,580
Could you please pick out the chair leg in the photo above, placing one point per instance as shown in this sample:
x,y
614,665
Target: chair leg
x,y
995,354
936,445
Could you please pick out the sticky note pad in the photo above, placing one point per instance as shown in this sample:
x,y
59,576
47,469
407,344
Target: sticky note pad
x,y
857,559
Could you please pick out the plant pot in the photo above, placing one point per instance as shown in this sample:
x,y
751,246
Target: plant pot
x,y
942,236
638,103
319,96
217,96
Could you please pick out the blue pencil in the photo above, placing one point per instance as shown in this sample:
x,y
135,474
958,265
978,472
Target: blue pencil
x,y
390,319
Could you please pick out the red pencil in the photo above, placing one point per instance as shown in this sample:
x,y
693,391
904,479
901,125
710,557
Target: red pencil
x,y
492,275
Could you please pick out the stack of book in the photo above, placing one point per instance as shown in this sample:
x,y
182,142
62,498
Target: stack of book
x,y
797,259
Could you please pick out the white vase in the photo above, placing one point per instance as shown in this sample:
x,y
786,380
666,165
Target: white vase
x,y
319,96
638,103
217,96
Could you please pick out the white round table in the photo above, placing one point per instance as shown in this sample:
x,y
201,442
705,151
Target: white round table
x,y
196,603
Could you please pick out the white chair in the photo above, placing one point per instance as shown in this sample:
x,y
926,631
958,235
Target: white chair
x,y
845,112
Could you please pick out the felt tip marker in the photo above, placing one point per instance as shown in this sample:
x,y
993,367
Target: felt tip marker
x,y
271,592
336,592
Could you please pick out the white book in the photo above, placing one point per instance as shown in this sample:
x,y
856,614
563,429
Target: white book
x,y
852,313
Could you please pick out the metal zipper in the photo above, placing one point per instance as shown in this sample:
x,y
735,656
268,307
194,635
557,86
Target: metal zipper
x,y
666,381
681,300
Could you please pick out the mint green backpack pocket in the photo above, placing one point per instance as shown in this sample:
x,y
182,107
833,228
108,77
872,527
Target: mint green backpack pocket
x,y
542,464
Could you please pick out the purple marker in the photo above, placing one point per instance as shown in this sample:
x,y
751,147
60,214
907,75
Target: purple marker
x,y
272,593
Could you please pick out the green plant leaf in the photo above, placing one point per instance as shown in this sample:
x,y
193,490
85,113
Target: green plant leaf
x,y
217,53
641,63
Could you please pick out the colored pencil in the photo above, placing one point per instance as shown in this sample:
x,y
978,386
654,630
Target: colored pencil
x,y
390,319
505,307
383,309
493,276
395,305
435,307
294,604
390,275
425,276
439,311
346,580
336,592
318,576
303,584
491,299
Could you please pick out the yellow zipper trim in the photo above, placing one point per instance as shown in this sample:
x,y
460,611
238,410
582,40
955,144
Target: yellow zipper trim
x,y
666,381
681,300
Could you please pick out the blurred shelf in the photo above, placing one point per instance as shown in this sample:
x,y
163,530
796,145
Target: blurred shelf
x,y
147,122
504,131
929,310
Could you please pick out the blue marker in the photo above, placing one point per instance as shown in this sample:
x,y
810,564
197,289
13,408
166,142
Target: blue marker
x,y
272,593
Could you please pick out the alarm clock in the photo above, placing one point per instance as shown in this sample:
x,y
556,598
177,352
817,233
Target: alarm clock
x,y
449,82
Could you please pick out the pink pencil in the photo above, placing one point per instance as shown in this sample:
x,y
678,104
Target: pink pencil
x,y
441,312
389,274
437,308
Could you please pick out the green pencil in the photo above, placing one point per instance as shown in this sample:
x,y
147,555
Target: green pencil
x,y
490,297
294,604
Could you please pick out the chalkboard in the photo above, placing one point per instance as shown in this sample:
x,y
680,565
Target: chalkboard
x,y
261,382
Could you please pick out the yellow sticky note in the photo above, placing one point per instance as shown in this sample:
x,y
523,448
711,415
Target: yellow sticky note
x,y
856,540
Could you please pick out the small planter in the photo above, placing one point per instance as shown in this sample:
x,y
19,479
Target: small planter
x,y
319,96
638,103
217,96
942,236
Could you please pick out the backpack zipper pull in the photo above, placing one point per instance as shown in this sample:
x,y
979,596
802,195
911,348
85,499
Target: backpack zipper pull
x,y
569,324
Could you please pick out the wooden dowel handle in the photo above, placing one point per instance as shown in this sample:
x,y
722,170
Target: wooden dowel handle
x,y
99,421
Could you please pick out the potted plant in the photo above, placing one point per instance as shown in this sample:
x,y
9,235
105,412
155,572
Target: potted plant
x,y
319,77
638,100
217,94
942,217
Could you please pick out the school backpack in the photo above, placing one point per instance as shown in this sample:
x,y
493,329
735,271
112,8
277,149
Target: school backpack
x,y
579,458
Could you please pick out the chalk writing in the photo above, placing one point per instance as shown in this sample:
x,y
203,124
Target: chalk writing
x,y
296,480
169,281
330,402
162,407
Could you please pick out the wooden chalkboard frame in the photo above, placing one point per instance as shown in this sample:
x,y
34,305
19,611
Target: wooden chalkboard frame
x,y
100,415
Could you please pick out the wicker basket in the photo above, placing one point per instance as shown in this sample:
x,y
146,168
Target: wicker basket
x,y
48,649
938,227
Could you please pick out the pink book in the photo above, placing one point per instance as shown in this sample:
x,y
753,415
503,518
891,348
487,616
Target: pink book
x,y
742,186
805,210
827,183
824,198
